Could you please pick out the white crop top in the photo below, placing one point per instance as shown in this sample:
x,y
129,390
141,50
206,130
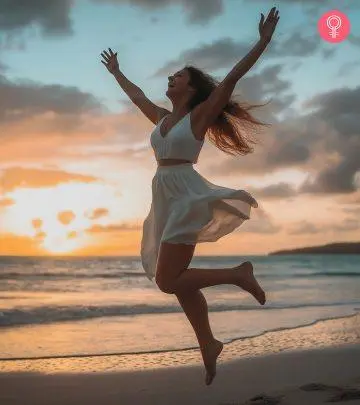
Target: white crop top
x,y
178,143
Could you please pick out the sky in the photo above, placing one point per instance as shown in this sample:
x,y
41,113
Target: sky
x,y
76,162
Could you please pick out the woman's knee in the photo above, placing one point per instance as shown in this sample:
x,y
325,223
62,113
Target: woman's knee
x,y
166,286
172,261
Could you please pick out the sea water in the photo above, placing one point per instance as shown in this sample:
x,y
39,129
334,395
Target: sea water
x,y
59,307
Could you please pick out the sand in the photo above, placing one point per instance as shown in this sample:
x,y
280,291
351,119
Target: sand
x,y
292,376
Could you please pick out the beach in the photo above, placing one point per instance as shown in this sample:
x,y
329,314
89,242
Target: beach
x,y
303,365
96,330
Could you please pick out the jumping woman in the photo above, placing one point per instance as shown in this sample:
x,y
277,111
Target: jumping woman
x,y
186,208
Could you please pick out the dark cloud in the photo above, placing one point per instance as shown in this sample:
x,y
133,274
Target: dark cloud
x,y
339,109
52,16
226,52
296,44
216,55
329,53
324,141
285,154
314,4
195,11
266,84
336,179
348,68
354,39
23,99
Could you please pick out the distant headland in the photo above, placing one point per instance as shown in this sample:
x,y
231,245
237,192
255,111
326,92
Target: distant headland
x,y
331,248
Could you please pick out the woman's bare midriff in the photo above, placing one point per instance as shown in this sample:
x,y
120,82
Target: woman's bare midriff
x,y
172,162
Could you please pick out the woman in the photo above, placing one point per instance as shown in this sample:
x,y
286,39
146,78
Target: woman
x,y
186,208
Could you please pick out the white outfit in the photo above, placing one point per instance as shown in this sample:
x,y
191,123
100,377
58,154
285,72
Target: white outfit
x,y
185,207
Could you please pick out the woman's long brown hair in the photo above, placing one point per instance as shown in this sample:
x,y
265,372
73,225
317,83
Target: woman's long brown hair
x,y
229,131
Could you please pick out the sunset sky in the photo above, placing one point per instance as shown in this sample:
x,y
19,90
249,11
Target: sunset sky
x,y
75,157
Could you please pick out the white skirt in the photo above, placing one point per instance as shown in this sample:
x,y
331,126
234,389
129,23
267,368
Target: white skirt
x,y
187,208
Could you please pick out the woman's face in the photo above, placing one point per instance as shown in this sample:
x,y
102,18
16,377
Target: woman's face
x,y
178,83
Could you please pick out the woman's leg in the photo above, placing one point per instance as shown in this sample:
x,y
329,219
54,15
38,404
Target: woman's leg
x,y
174,282
196,310
193,303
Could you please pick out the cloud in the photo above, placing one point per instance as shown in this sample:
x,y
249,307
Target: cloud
x,y
276,191
226,52
288,153
37,223
114,228
349,224
347,68
305,228
339,110
98,213
354,39
309,228
324,141
195,11
6,202
313,4
261,223
217,55
52,16
11,244
17,177
25,99
66,217
337,179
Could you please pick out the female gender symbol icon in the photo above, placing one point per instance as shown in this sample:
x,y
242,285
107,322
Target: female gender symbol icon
x,y
334,26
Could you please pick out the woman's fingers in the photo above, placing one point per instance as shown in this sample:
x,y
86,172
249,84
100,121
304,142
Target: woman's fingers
x,y
107,54
110,60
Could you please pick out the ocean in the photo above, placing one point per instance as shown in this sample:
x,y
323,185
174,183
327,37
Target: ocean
x,y
64,307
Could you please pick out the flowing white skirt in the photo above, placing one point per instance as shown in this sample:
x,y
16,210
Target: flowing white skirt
x,y
187,208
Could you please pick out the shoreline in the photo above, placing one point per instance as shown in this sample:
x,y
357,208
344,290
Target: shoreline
x,y
320,334
306,365
163,351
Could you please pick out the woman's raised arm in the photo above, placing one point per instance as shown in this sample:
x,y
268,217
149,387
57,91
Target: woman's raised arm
x,y
153,112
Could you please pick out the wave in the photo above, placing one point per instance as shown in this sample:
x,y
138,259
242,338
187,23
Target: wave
x,y
129,274
52,314
228,341
69,276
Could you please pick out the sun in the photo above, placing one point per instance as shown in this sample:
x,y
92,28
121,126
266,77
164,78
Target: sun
x,y
60,245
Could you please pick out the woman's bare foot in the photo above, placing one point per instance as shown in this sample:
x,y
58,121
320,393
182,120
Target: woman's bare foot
x,y
210,353
247,281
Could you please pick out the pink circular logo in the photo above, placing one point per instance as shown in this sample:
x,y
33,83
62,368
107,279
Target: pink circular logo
x,y
334,26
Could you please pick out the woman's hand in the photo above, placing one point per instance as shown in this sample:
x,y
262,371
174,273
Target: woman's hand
x,y
110,61
267,28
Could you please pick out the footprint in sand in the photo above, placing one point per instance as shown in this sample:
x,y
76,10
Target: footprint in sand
x,y
264,400
340,393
